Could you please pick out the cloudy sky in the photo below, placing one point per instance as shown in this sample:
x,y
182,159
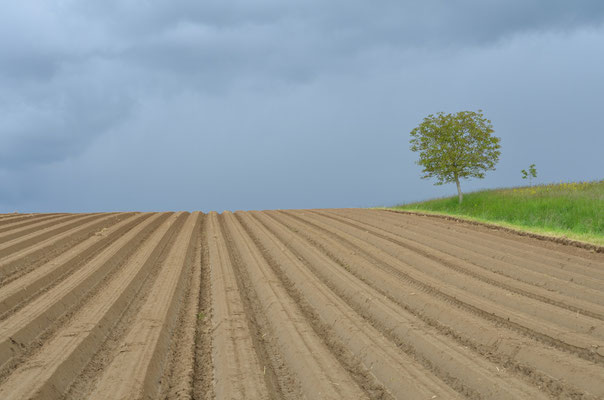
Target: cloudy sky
x,y
212,105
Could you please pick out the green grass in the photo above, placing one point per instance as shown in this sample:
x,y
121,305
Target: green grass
x,y
574,210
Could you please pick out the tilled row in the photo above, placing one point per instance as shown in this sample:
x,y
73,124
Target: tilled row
x,y
333,304
576,330
48,343
511,345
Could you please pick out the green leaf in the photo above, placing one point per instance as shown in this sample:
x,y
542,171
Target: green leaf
x,y
454,146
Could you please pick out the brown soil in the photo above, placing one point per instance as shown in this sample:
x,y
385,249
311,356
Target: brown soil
x,y
297,304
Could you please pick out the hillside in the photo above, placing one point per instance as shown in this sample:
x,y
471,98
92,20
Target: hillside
x,y
574,210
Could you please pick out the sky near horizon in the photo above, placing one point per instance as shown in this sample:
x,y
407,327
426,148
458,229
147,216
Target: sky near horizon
x,y
115,105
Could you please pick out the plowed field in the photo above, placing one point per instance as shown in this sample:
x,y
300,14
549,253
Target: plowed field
x,y
313,304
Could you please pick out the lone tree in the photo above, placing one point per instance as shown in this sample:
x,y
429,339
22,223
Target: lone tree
x,y
455,146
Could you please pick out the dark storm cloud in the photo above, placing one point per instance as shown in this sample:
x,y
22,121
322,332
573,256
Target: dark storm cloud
x,y
221,41
60,127
88,85
460,18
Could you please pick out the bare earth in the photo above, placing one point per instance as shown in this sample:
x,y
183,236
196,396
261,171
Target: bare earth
x,y
301,304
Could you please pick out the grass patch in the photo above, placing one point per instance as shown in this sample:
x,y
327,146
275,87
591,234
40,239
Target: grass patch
x,y
574,210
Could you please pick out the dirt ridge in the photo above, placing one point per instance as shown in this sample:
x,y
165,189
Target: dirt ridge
x,y
554,239
294,304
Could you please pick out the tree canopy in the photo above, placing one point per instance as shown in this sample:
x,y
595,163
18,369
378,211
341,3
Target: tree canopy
x,y
455,146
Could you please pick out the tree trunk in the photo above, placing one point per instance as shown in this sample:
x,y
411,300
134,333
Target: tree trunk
x,y
459,190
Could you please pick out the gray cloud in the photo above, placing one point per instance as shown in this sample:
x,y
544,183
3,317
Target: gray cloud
x,y
259,96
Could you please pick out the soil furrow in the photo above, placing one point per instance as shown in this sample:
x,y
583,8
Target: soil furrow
x,y
294,304
280,380
349,361
537,363
12,239
179,382
18,291
462,262
12,233
139,366
25,221
85,383
52,369
532,248
12,218
19,331
22,262
558,275
319,373
47,234
456,365
398,373
466,298
203,368
577,330
237,370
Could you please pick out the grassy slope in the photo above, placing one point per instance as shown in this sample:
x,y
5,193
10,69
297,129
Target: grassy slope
x,y
574,210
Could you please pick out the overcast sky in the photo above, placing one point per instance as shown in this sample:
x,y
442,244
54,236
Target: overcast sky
x,y
212,105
